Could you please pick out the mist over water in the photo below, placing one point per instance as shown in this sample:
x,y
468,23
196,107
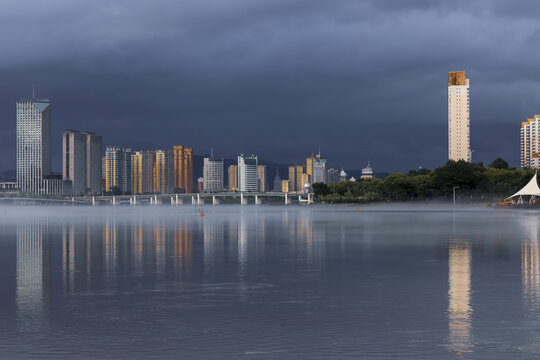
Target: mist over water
x,y
269,282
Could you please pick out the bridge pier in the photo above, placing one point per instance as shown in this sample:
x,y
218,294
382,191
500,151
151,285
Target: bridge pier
x,y
156,201
243,200
193,201
93,201
309,201
287,202
114,200
258,200
215,200
200,200
175,200
134,200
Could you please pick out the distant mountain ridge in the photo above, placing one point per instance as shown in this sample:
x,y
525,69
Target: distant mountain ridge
x,y
8,175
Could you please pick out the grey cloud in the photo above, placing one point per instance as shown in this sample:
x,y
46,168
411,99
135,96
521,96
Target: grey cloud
x,y
362,80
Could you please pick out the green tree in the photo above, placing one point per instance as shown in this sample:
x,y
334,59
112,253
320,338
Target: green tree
x,y
320,189
499,163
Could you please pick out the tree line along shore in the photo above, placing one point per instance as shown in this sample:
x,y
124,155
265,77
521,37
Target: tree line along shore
x,y
474,182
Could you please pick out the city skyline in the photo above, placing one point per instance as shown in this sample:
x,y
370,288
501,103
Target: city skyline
x,y
335,76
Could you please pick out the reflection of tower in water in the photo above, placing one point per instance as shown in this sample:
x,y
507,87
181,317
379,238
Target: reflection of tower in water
x,y
183,249
530,263
459,295
213,235
33,270
307,239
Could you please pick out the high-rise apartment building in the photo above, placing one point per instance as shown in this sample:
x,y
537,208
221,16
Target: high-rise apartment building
x,y
118,169
81,161
142,172
292,178
261,174
248,180
285,186
458,117
530,142
183,169
233,178
213,174
300,179
164,172
33,144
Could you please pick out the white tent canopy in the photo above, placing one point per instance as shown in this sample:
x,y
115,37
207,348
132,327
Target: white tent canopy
x,y
531,189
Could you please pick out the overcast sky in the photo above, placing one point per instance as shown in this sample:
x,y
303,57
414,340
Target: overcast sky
x,y
361,80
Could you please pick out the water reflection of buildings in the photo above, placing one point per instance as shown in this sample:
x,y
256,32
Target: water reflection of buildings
x,y
459,301
530,263
307,239
33,271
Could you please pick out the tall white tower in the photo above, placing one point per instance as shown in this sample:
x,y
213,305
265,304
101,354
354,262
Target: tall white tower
x,y
248,179
459,117
33,144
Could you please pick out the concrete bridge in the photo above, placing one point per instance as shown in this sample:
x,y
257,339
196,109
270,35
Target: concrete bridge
x,y
193,199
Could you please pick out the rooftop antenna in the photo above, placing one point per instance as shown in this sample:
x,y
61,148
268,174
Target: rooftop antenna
x,y
33,91
212,153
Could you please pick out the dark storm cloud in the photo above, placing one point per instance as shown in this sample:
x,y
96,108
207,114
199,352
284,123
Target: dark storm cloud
x,y
362,80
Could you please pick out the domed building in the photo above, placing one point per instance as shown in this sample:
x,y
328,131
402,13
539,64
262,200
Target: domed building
x,y
367,173
353,179
343,176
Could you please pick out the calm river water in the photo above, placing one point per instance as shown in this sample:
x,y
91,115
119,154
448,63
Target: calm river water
x,y
269,282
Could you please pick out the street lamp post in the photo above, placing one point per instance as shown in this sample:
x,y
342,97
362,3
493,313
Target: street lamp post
x,y
455,187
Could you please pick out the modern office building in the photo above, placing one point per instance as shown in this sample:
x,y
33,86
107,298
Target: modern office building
x,y
213,174
183,169
164,172
33,144
277,182
74,160
530,142
248,179
94,149
261,174
458,117
333,176
118,169
142,172
81,161
318,172
232,184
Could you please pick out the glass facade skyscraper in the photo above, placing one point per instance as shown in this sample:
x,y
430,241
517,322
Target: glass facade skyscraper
x,y
33,144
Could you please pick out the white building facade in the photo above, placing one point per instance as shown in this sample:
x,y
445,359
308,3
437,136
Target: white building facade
x,y
33,145
530,142
213,175
248,180
459,147
319,170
